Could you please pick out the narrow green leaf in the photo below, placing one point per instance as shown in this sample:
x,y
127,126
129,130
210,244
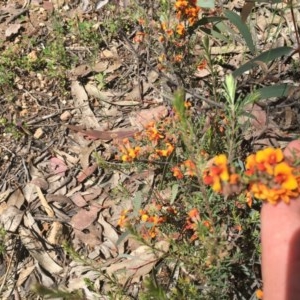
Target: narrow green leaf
x,y
206,3
137,202
122,237
281,90
242,27
264,57
208,20
215,34
175,189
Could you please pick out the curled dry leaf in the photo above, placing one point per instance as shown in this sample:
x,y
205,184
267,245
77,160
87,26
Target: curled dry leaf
x,y
109,231
86,152
84,174
80,98
140,263
40,182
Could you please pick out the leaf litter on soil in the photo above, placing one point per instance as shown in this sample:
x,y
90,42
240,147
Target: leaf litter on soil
x,y
53,190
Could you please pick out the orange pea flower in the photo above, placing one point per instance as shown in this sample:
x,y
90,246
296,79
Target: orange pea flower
x,y
250,165
217,173
177,172
194,215
165,152
286,195
267,158
139,37
190,168
123,220
269,155
178,58
284,176
129,153
249,199
263,161
234,178
180,4
153,133
263,192
180,29
259,294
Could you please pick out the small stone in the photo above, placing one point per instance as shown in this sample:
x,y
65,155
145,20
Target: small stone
x,y
65,116
38,133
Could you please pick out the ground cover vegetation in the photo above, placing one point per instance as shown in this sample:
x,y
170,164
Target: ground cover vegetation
x,y
138,142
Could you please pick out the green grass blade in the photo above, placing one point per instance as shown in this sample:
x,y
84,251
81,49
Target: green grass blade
x,y
280,90
264,57
206,3
215,31
242,27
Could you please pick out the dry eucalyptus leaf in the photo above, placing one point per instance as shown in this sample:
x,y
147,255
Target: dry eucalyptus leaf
x,y
143,117
29,192
140,263
37,250
25,272
108,230
11,218
58,166
78,200
4,195
40,182
93,91
86,69
80,99
92,193
91,237
201,73
16,199
84,218
85,173
12,30
108,249
86,152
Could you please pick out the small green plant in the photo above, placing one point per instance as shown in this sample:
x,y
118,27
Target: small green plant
x,y
100,80
12,129
48,293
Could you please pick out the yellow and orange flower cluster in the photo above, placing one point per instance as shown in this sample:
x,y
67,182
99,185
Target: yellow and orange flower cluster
x,y
153,144
187,168
268,176
129,153
192,223
146,221
271,178
219,177
187,10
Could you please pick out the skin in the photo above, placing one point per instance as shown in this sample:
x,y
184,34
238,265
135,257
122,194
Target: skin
x,y
280,235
